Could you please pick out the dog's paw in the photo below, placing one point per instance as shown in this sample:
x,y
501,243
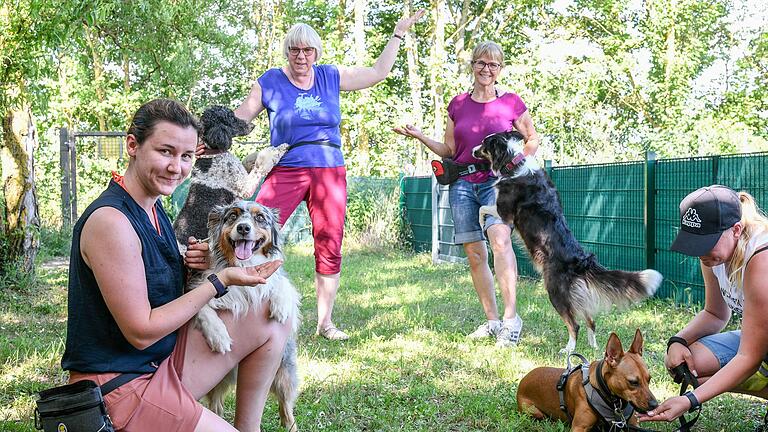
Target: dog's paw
x,y
218,337
282,148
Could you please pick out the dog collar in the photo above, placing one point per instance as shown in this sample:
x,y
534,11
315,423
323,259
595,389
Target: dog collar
x,y
512,165
610,408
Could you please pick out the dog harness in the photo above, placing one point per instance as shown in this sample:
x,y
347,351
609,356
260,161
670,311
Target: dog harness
x,y
612,411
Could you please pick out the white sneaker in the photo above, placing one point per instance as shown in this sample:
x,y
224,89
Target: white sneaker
x,y
509,334
486,330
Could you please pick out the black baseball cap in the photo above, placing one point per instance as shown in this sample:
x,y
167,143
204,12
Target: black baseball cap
x,y
704,215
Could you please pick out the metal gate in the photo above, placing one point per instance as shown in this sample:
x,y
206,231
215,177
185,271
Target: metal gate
x,y
108,146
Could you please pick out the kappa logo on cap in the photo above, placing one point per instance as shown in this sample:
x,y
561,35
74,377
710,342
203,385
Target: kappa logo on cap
x,y
691,218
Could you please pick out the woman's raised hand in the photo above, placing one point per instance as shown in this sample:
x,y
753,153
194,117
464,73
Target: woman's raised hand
x,y
402,26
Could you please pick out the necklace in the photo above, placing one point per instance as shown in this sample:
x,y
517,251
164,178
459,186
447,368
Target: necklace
x,y
472,93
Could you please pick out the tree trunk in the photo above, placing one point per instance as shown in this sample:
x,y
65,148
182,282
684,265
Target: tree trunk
x,y
98,75
21,219
420,160
436,68
362,147
358,32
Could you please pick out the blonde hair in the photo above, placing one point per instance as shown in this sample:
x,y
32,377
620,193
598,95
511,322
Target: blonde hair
x,y
303,34
753,222
490,49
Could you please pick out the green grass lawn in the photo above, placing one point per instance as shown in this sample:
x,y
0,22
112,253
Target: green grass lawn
x,y
408,366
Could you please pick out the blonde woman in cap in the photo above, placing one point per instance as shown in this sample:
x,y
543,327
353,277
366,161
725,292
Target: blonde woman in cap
x,y
729,234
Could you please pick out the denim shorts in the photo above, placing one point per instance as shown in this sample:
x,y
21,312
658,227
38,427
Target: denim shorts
x,y
466,199
723,345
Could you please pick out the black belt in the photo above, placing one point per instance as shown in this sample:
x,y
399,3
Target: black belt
x,y
473,168
322,143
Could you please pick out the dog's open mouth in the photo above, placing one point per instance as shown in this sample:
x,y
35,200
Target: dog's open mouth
x,y
244,248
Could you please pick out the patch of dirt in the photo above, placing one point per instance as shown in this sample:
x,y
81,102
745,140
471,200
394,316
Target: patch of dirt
x,y
57,263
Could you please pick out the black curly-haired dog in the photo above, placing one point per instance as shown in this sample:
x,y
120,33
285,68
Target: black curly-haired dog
x,y
577,284
220,178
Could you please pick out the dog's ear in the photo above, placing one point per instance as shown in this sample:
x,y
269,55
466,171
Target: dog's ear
x,y
274,246
240,127
217,132
214,218
637,343
499,151
613,350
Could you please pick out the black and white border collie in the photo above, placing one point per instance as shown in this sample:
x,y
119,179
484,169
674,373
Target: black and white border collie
x,y
246,234
577,284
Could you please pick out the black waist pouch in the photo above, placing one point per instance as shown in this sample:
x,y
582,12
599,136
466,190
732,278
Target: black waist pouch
x,y
74,408
447,171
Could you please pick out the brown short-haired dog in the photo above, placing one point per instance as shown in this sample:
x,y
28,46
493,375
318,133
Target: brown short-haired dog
x,y
620,380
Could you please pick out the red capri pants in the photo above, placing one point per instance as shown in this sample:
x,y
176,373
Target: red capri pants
x,y
325,191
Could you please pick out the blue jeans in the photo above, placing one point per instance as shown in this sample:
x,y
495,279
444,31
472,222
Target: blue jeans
x,y
723,345
466,199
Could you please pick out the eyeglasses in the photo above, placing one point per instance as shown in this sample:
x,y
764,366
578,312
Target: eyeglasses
x,y
307,51
480,65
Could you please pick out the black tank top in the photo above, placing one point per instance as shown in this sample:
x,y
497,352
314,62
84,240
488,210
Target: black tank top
x,y
94,341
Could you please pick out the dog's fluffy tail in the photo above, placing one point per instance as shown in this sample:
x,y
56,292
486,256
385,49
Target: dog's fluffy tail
x,y
608,288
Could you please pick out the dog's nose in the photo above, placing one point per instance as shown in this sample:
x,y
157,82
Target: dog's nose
x,y
652,404
243,229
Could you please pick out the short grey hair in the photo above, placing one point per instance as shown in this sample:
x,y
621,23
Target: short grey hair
x,y
303,34
490,49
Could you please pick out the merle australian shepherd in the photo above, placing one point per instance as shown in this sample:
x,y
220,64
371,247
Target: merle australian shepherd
x,y
577,284
243,234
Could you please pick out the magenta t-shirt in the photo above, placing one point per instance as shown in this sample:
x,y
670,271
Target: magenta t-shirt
x,y
474,121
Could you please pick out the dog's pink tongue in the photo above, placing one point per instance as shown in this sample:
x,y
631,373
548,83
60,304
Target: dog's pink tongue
x,y
244,249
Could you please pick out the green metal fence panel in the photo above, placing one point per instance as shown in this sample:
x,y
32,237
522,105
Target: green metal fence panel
x,y
603,205
417,210
524,264
747,172
675,178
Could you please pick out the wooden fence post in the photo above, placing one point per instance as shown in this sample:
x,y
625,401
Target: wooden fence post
x,y
66,205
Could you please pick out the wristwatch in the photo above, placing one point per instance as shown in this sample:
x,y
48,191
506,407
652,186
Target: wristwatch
x,y
221,289
693,400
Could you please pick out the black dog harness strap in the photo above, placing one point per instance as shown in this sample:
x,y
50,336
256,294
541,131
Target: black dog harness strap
x,y
569,370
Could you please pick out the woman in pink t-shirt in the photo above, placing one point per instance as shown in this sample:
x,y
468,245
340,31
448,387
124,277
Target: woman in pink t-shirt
x,y
472,116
